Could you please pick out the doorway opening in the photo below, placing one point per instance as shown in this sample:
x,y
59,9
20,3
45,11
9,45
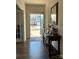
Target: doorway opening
x,y
36,25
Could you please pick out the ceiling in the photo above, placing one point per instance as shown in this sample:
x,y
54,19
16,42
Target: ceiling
x,y
36,1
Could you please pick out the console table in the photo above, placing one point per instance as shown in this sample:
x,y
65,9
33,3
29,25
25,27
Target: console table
x,y
53,44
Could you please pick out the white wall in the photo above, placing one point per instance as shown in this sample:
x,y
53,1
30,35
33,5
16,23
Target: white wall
x,y
60,13
32,9
21,4
43,2
60,18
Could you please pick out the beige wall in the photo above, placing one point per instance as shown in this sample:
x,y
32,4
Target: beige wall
x,y
60,13
21,4
60,17
32,9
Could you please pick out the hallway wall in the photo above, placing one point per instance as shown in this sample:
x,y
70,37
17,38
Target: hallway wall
x,y
60,18
21,4
46,16
32,9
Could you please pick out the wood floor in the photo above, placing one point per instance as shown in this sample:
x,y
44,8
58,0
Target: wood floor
x,y
32,49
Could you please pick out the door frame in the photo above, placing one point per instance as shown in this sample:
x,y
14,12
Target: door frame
x,y
40,22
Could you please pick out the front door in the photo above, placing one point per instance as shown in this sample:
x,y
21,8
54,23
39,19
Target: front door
x,y
36,25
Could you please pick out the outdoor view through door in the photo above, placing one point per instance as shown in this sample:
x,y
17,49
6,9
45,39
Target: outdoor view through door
x,y
36,25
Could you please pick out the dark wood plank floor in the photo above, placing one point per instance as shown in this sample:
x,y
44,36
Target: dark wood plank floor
x,y
31,50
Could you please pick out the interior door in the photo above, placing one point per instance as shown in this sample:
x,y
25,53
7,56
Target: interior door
x,y
19,26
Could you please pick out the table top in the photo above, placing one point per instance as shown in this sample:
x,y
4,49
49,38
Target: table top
x,y
46,35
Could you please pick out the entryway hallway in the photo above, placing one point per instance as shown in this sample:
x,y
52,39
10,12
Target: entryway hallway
x,y
33,18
